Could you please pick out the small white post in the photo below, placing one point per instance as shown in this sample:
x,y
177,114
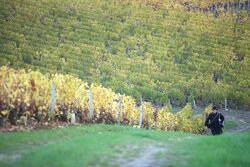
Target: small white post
x,y
119,110
169,102
226,109
91,109
141,115
194,103
53,98
73,118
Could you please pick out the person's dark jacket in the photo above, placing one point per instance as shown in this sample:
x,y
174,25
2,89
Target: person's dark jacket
x,y
213,123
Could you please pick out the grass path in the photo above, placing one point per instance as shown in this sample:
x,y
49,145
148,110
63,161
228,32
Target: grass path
x,y
145,157
111,145
237,121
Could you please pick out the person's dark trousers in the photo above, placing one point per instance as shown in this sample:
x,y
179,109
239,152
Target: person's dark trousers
x,y
216,131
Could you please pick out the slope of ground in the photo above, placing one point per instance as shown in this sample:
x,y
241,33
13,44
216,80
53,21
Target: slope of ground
x,y
154,49
237,120
104,145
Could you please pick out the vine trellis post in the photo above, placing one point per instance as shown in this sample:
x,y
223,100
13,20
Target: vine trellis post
x,y
141,114
53,99
91,108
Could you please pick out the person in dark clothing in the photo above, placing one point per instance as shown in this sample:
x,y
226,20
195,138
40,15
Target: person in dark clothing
x,y
215,122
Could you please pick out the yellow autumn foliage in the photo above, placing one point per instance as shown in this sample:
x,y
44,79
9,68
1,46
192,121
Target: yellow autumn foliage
x,y
29,92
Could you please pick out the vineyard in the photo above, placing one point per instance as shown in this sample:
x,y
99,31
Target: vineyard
x,y
160,50
102,83
26,97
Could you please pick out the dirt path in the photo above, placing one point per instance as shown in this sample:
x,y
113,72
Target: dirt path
x,y
241,118
240,129
145,159
140,156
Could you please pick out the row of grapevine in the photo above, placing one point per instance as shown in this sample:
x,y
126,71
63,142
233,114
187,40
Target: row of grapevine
x,y
155,49
28,94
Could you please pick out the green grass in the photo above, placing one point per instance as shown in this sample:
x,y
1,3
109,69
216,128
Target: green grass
x,y
230,124
225,150
100,145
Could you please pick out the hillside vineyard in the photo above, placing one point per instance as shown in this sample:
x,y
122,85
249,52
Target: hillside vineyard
x,y
160,50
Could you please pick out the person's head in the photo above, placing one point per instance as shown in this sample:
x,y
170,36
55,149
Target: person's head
x,y
214,109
